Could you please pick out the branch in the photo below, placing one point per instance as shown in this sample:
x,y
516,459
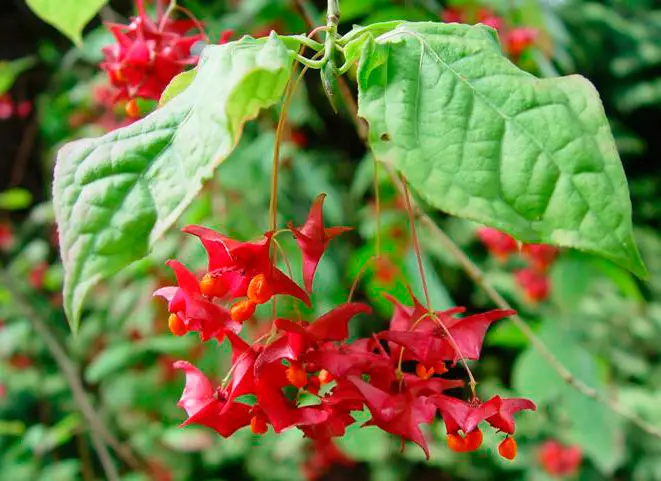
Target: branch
x,y
100,434
476,274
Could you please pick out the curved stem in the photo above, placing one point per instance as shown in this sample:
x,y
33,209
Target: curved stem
x,y
308,41
315,64
425,289
359,276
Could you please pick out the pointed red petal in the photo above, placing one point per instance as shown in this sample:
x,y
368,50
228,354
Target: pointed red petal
x,y
334,325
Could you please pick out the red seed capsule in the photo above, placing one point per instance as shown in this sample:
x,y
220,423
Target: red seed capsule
x,y
258,425
473,440
423,372
456,443
213,286
259,290
132,109
242,310
177,325
297,376
507,448
325,377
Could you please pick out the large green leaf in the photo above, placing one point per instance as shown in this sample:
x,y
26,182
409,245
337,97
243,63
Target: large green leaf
x,y
115,195
479,138
588,423
68,16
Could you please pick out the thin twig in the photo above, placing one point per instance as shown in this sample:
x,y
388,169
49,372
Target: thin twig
x,y
476,274
23,153
100,434
304,8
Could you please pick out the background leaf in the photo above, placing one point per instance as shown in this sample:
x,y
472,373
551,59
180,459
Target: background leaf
x,y
68,16
10,70
479,138
115,195
591,424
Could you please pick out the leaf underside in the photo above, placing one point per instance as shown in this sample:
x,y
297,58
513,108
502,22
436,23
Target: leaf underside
x,y
479,138
115,195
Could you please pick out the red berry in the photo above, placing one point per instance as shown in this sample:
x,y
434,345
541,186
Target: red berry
x,y
507,448
213,286
177,325
325,377
456,443
535,285
132,109
259,291
473,440
297,376
423,372
242,310
559,460
258,425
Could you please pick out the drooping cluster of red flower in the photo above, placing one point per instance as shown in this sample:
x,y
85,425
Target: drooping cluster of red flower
x,y
148,54
515,39
533,279
559,460
316,359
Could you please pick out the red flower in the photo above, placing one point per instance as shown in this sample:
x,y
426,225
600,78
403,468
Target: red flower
x,y
23,108
6,107
6,236
488,17
429,342
196,312
499,244
499,413
208,406
343,360
38,275
559,460
465,416
452,15
536,285
282,412
236,264
400,414
148,54
226,36
518,39
313,238
541,256
300,336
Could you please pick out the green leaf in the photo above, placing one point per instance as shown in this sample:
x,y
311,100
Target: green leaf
x,y
481,139
114,196
10,70
68,16
176,86
15,199
112,360
592,425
